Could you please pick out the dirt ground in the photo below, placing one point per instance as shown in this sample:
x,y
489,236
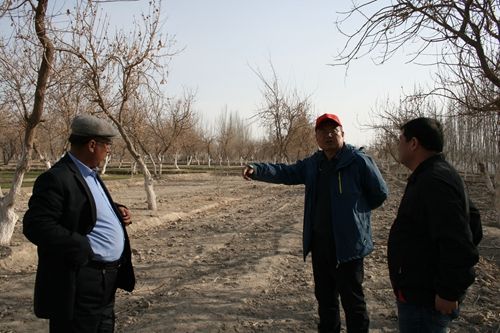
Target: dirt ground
x,y
224,255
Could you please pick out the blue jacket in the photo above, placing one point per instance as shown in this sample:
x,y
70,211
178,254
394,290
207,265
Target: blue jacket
x,y
356,190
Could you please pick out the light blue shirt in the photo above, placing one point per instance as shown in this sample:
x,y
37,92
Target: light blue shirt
x,y
107,238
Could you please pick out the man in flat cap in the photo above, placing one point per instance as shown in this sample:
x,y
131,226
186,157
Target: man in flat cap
x,y
343,185
83,248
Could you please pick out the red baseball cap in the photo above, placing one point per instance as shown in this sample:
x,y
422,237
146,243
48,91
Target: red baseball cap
x,y
327,116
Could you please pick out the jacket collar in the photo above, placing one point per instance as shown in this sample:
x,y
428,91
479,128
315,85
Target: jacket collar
x,y
424,165
344,156
78,175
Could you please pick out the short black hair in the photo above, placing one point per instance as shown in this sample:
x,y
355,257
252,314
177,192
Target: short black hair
x,y
428,131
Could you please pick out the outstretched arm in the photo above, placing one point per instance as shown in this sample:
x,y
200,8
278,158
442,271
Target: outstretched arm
x,y
288,174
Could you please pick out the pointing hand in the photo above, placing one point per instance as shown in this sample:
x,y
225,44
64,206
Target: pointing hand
x,y
248,172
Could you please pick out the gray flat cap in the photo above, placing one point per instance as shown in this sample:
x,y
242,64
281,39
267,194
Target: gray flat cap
x,y
89,126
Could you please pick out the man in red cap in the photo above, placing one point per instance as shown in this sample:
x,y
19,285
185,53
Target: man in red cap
x,y
343,185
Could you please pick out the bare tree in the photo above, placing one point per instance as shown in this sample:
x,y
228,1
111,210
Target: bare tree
x,y
388,117
10,139
206,132
467,35
303,141
227,131
32,117
466,32
120,68
282,113
64,102
168,121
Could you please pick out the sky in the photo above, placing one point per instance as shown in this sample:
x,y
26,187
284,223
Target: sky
x,y
222,40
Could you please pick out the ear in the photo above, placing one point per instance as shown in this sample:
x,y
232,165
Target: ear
x,y
414,144
91,145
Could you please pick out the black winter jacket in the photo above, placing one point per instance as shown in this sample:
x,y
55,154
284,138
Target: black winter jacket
x,y
432,247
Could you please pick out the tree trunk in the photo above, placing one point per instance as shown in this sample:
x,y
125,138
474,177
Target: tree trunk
x,y
489,184
497,186
148,185
42,158
497,195
133,168
148,179
106,162
155,170
176,158
8,218
160,165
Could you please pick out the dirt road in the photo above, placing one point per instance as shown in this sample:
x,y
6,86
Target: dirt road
x,y
224,255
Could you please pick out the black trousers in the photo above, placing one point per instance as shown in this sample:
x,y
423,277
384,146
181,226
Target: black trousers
x,y
94,303
332,281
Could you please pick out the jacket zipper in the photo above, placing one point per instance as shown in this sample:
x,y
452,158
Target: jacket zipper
x,y
340,183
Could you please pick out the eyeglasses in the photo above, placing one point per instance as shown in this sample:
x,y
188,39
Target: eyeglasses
x,y
328,130
107,144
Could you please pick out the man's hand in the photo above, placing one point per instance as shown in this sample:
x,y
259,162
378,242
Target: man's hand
x,y
444,306
247,172
127,218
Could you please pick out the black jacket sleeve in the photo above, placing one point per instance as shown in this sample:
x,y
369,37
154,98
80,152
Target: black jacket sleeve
x,y
475,223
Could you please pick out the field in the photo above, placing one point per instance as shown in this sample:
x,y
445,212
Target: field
x,y
224,255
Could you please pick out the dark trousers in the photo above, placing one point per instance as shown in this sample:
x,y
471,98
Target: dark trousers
x,y
345,280
94,303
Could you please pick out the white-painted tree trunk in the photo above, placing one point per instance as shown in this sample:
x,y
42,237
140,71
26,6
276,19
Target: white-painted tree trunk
x,y
486,176
105,165
8,217
42,158
176,159
155,170
497,192
133,168
160,165
148,185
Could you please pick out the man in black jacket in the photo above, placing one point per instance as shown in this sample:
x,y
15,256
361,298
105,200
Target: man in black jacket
x,y
83,248
432,243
